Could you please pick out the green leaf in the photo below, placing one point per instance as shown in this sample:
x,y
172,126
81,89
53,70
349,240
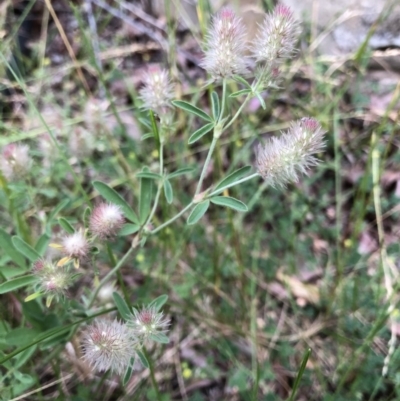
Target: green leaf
x,y
192,109
21,336
66,225
146,190
233,177
240,93
128,372
112,196
128,229
57,210
168,192
147,136
16,283
148,174
25,249
205,129
42,244
145,122
159,338
159,302
259,97
121,305
240,79
215,105
23,357
9,248
33,296
230,202
180,172
198,212
143,359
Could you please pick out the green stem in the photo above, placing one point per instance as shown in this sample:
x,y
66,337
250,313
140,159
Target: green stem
x,y
152,375
221,114
219,190
206,163
109,274
168,222
246,100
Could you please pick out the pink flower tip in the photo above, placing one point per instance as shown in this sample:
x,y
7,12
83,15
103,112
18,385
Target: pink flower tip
x,y
106,220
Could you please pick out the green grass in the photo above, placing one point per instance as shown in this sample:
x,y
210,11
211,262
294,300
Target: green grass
x,y
243,314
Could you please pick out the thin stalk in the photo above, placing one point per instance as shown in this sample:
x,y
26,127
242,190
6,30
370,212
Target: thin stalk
x,y
160,184
119,275
248,97
219,190
109,274
168,222
206,163
152,375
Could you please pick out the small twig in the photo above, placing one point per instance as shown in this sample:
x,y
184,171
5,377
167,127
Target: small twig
x,y
135,24
67,45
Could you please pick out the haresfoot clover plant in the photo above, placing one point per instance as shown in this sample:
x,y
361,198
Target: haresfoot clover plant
x,y
113,345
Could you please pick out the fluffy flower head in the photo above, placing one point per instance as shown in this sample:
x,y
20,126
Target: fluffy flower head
x,y
277,36
226,44
148,321
157,91
281,159
109,345
53,280
106,220
15,161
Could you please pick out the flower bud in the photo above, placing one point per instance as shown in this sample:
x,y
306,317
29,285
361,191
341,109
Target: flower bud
x,y
277,36
226,42
157,91
109,345
15,161
53,280
148,321
281,159
74,246
106,220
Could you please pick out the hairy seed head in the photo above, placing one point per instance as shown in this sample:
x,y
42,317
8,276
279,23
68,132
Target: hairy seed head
x,y
106,220
15,161
277,36
281,159
226,46
148,321
109,345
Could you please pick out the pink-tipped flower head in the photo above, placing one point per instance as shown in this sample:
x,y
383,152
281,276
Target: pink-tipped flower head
x,y
277,36
53,280
106,220
226,46
157,91
148,321
75,247
109,345
281,159
15,161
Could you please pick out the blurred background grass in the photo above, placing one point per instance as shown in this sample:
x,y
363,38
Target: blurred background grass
x,y
312,266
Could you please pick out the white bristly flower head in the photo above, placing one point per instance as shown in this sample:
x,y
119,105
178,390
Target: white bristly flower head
x,y
280,160
277,36
147,321
109,345
15,161
106,220
226,46
157,91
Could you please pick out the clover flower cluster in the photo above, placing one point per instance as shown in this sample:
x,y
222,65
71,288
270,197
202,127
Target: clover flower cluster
x,y
113,345
280,160
105,222
157,91
15,161
226,53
